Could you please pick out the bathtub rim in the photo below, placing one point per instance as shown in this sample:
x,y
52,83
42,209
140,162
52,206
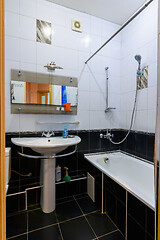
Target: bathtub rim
x,y
114,179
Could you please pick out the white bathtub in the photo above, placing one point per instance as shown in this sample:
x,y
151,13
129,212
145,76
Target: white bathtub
x,y
134,175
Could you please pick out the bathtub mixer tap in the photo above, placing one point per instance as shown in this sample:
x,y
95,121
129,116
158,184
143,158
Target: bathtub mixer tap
x,y
48,134
108,135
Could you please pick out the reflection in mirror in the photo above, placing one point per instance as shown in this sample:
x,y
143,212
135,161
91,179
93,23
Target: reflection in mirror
x,y
37,93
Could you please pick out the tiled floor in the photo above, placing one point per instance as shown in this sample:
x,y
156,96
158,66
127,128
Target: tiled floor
x,y
75,218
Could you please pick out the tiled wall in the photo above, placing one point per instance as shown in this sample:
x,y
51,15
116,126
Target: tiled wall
x,y
138,144
70,50
139,37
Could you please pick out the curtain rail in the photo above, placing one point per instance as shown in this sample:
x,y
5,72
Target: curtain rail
x,y
120,29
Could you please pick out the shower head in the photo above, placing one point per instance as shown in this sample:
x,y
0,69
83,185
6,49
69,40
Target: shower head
x,y
138,59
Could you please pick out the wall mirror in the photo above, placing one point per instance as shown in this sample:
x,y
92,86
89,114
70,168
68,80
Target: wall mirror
x,y
43,93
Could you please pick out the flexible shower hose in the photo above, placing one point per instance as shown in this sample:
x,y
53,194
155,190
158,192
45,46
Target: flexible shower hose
x,y
133,112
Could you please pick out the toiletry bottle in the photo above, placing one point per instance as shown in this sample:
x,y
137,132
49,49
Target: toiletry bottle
x,y
65,133
58,173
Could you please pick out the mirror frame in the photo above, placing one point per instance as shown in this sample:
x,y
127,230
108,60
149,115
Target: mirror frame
x,y
50,78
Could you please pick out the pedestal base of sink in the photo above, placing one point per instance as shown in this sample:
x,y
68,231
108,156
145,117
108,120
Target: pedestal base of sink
x,y
47,179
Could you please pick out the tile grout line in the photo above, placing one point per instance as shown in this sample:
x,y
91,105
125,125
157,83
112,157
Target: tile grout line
x,y
37,229
114,224
85,218
107,234
60,231
19,235
59,227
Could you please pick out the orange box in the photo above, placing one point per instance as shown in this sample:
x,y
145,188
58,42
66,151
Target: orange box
x,y
68,106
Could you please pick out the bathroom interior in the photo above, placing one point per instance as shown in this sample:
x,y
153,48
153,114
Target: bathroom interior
x,y
81,120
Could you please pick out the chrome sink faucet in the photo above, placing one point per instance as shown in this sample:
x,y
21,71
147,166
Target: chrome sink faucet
x,y
48,134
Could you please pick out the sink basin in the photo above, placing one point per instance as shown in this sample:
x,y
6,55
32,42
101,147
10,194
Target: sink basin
x,y
46,146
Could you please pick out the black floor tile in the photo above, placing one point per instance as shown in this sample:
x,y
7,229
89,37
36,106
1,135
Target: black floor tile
x,y
82,195
66,199
87,205
101,223
38,219
113,236
67,211
76,229
49,233
23,237
16,224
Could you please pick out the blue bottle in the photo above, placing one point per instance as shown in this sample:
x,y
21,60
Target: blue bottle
x,y
65,133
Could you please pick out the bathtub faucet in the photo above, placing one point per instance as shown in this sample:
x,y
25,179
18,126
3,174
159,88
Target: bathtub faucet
x,y
108,135
48,134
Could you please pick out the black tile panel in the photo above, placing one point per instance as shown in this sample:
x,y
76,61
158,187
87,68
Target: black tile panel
x,y
95,141
67,210
150,147
134,230
49,233
22,237
87,205
16,224
84,145
137,210
101,223
15,203
115,189
38,219
77,229
113,236
150,222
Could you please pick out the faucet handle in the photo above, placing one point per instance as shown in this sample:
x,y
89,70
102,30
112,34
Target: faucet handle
x,y
52,133
43,134
101,135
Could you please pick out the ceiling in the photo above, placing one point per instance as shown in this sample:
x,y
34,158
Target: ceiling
x,y
116,11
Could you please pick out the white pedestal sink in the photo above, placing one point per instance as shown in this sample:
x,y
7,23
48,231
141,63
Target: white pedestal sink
x,y
47,147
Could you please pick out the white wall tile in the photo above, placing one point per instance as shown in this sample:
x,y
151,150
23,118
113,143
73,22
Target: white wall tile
x,y
44,12
44,54
152,75
28,51
151,120
139,123
84,118
12,48
83,100
142,99
71,58
96,26
58,38
97,101
28,8
152,98
12,5
12,23
27,28
58,15
84,82
8,66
